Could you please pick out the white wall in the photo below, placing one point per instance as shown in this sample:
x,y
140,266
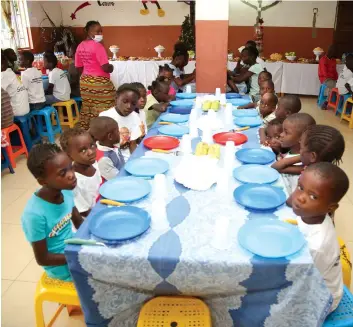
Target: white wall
x,y
127,13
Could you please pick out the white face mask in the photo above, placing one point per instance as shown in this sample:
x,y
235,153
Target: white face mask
x,y
98,38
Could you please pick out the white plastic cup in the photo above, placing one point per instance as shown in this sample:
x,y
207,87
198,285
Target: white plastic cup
x,y
194,132
211,114
186,144
207,135
229,106
218,92
188,89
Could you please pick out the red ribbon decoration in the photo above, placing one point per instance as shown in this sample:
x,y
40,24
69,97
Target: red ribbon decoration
x,y
85,4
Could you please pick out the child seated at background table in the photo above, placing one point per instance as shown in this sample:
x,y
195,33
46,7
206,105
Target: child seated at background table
x,y
320,188
59,87
157,101
16,90
167,72
81,148
293,128
267,108
140,109
11,57
32,80
46,220
345,79
105,131
127,97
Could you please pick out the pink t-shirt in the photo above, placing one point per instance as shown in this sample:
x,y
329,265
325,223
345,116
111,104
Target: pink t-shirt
x,y
91,55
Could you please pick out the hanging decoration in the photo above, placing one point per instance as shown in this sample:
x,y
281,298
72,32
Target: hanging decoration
x,y
146,11
259,28
315,14
81,6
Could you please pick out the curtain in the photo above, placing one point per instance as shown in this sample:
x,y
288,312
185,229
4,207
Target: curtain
x,y
6,10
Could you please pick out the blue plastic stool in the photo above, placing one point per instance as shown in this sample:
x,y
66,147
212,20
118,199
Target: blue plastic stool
x,y
26,124
343,315
78,101
322,97
342,101
43,118
5,161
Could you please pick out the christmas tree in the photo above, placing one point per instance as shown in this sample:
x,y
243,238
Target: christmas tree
x,y
188,27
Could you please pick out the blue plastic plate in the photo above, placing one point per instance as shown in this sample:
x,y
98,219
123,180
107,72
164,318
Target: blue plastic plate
x,y
245,113
173,130
259,197
239,102
125,189
186,95
270,238
255,156
146,167
248,121
258,174
119,223
180,110
233,96
175,118
182,103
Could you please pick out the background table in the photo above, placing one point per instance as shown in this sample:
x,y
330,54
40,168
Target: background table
x,y
241,289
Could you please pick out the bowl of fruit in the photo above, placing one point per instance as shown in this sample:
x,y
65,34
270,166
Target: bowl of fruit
x,y
291,56
318,52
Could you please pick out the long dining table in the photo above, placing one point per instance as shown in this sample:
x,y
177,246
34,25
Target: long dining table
x,y
241,289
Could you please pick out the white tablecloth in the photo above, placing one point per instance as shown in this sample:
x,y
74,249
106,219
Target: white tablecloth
x,y
288,78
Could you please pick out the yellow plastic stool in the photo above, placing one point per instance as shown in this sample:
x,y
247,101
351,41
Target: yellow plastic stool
x,y
70,116
174,311
53,290
348,117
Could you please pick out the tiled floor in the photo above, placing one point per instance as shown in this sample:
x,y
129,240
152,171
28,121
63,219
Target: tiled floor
x,y
20,271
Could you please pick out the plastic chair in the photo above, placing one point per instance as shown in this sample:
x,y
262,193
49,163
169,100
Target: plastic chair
x,y
174,311
5,161
78,101
14,151
44,123
322,97
336,101
346,114
27,123
343,315
53,290
70,116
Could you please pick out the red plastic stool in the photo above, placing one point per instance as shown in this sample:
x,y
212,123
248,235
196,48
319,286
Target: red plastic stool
x,y
333,99
14,151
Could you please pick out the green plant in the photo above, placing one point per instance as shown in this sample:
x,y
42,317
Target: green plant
x,y
187,35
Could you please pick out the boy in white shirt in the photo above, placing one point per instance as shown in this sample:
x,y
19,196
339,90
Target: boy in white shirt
x,y
345,79
59,87
16,90
320,187
32,80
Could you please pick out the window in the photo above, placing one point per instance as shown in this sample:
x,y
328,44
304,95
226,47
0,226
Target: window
x,y
19,23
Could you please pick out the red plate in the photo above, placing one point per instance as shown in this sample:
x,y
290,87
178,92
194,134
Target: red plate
x,y
237,138
161,142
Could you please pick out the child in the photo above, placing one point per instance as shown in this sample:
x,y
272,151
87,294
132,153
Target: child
x,y
105,131
345,80
59,86
81,148
157,101
74,74
320,188
11,56
264,76
268,104
288,105
140,108
124,114
32,80
273,133
47,215
12,85
293,128
167,72
249,56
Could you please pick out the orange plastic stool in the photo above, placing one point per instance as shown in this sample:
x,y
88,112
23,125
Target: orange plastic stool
x,y
333,99
70,116
14,151
348,114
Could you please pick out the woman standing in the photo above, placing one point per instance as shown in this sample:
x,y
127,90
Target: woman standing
x,y
91,60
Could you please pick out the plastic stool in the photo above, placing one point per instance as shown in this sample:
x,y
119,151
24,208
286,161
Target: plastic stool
x,y
53,290
348,115
72,114
26,123
175,311
322,97
336,101
45,128
5,161
13,151
78,101
343,315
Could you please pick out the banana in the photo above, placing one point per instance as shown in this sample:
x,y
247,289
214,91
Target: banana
x,y
215,105
206,105
201,149
214,151
111,202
